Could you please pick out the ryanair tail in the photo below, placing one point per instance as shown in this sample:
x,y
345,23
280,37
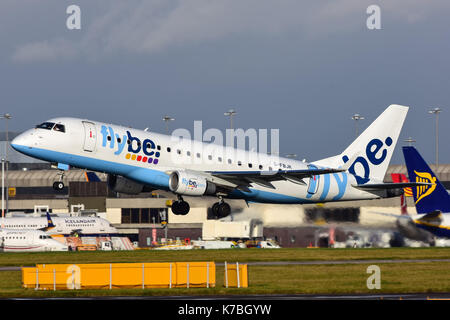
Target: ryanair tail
x,y
429,197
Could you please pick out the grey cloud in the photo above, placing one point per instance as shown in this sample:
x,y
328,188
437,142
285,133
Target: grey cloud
x,y
145,27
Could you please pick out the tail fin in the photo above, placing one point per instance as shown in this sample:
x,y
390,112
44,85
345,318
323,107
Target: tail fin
x,y
371,152
50,224
427,198
91,177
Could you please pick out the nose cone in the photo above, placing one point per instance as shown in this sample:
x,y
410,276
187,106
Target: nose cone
x,y
22,142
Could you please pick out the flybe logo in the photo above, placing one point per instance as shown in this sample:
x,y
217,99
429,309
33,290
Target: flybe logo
x,y
375,154
424,191
192,184
136,150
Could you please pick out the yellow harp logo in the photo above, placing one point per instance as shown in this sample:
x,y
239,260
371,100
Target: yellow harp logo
x,y
424,191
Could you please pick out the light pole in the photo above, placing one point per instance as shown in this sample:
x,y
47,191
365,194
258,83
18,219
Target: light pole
x,y
436,112
166,119
7,117
357,117
230,113
3,190
410,141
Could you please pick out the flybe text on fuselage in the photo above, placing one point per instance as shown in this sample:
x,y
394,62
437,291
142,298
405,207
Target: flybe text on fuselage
x,y
135,146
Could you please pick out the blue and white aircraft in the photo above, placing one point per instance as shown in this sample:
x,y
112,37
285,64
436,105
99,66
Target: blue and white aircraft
x,y
137,160
432,201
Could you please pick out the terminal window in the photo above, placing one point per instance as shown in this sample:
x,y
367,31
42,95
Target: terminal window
x,y
140,215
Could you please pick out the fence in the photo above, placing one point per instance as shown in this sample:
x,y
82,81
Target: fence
x,y
120,275
234,279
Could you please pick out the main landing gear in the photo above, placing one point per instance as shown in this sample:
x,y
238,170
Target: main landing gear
x,y
221,209
180,207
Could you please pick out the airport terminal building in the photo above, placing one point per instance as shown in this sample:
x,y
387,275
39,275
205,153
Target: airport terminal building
x,y
147,217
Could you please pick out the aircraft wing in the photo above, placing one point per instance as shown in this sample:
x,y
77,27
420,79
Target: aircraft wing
x,y
242,179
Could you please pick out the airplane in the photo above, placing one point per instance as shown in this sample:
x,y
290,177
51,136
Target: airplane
x,y
82,226
139,160
21,240
432,201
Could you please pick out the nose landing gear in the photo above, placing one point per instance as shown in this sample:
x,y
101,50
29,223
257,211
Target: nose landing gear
x,y
59,185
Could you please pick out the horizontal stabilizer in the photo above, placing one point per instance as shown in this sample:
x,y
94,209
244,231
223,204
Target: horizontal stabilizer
x,y
385,186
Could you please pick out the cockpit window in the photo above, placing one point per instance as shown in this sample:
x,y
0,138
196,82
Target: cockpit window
x,y
46,125
59,127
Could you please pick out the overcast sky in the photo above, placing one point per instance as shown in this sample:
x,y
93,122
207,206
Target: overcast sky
x,y
303,67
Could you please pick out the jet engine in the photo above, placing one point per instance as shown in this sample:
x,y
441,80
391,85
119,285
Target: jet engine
x,y
124,185
186,183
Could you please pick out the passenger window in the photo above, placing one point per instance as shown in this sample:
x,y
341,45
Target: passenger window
x,y
229,161
59,127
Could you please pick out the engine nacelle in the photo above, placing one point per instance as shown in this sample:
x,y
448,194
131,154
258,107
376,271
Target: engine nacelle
x,y
181,182
124,185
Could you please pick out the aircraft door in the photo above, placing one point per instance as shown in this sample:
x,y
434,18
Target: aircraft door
x,y
313,184
90,136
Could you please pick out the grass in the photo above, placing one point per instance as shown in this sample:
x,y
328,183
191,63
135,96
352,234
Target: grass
x,y
232,255
411,277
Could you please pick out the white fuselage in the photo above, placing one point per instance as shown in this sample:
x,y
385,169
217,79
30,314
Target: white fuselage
x,y
63,225
148,158
28,241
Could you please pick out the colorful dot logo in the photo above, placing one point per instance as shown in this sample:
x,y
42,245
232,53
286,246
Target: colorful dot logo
x,y
143,159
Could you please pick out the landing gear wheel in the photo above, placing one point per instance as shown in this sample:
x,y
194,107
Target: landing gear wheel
x,y
58,185
180,207
215,210
221,210
224,210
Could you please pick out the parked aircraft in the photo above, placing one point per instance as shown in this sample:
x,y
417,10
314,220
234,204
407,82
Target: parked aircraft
x,y
28,241
137,160
82,226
